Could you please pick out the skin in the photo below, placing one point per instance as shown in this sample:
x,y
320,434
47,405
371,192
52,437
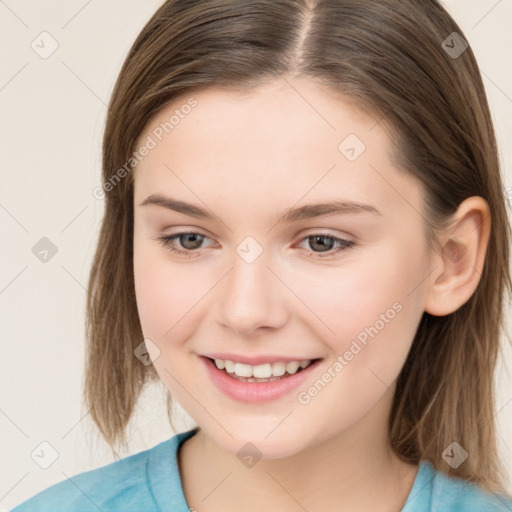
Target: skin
x,y
247,157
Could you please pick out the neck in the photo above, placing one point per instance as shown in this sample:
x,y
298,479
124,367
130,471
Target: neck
x,y
354,469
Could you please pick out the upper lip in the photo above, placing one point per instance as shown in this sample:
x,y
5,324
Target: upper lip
x,y
256,360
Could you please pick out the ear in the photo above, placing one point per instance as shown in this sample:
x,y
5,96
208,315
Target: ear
x,y
460,262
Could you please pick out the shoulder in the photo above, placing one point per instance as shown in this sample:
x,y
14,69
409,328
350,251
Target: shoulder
x,y
450,494
120,485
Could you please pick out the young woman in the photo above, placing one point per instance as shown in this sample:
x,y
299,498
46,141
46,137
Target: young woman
x,y
306,240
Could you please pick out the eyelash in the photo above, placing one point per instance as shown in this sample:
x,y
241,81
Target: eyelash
x,y
167,240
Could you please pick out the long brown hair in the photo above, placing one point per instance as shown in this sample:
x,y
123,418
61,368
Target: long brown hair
x,y
392,59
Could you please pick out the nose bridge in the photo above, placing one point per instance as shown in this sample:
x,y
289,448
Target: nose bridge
x,y
252,296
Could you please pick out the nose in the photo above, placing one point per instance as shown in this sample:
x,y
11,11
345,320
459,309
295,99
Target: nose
x,y
252,297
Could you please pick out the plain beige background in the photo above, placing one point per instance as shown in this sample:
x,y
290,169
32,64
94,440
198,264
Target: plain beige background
x,y
52,115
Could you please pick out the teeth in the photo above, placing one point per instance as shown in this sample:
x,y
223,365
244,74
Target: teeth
x,y
228,365
243,370
292,367
278,369
261,371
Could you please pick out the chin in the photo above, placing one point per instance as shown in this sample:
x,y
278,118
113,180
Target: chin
x,y
258,443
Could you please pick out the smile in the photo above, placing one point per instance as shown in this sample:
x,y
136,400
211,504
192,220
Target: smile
x,y
233,379
267,372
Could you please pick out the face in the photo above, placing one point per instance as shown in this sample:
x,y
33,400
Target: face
x,y
341,286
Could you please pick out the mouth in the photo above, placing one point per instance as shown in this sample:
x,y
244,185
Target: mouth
x,y
258,389
262,373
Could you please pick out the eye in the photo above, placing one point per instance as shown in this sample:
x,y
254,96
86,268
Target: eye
x,y
191,241
317,240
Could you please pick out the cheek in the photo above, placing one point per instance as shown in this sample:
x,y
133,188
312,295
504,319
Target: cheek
x,y
369,311
166,296
374,317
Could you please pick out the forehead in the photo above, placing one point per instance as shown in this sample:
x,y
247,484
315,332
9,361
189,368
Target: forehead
x,y
289,138
289,107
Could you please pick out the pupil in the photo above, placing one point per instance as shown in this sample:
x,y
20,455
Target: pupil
x,y
190,237
321,244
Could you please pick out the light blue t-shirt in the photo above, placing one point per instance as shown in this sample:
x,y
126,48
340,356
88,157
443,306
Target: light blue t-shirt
x,y
149,481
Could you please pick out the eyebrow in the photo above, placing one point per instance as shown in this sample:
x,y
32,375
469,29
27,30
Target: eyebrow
x,y
308,211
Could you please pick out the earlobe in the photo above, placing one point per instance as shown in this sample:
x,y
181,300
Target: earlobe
x,y
461,259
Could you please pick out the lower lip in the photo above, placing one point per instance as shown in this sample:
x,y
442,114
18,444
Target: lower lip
x,y
255,392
